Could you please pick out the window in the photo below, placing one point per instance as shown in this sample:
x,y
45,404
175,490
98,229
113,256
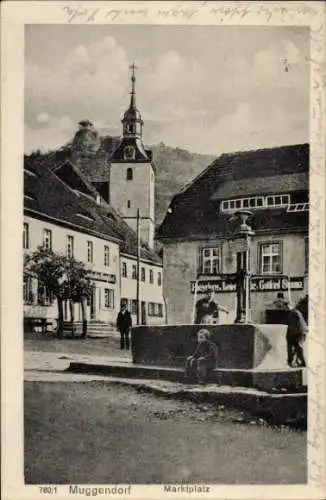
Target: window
x,y
128,204
306,255
106,255
70,246
151,276
133,306
270,258
26,236
124,269
210,260
28,290
142,274
89,251
131,128
47,239
109,298
256,202
134,272
129,174
155,309
159,279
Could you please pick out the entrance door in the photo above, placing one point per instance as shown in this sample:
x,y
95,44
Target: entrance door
x,y
93,303
143,313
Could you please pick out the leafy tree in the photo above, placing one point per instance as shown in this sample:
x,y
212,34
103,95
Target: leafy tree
x,y
65,277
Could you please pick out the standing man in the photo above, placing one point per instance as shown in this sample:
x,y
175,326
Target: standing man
x,y
207,309
295,337
124,323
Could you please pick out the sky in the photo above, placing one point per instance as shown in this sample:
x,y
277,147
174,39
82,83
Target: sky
x,y
207,89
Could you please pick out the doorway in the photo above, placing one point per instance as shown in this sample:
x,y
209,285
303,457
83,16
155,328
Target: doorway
x,y
143,312
93,303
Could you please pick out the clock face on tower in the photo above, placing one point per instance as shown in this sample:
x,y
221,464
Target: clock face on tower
x,y
129,153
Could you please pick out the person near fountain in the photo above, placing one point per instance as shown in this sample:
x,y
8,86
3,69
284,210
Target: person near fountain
x,y
207,310
295,337
203,360
124,323
281,303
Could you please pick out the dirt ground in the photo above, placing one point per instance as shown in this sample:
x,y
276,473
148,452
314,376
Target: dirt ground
x,y
109,346
98,433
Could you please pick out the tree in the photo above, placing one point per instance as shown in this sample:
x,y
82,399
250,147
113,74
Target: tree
x,y
63,276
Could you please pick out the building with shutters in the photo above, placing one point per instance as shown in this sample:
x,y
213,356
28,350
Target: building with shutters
x,y
197,233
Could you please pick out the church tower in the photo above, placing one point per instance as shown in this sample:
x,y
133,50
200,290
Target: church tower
x,y
132,173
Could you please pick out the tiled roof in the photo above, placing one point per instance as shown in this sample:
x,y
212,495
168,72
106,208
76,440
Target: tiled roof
x,y
194,214
262,185
96,167
53,197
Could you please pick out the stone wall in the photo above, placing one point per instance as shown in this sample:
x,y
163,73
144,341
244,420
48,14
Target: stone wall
x,y
239,346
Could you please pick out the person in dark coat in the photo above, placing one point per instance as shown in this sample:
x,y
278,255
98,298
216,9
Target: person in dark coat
x,y
204,359
207,309
281,303
295,337
124,323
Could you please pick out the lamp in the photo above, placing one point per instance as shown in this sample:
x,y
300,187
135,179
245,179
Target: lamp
x,y
244,232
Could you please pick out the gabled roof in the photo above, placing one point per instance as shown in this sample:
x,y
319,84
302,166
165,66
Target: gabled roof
x,y
194,212
55,199
68,173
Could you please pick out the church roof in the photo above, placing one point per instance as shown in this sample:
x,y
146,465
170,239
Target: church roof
x,y
141,155
133,114
194,212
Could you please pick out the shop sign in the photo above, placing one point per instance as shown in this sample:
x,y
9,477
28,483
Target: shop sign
x,y
227,283
99,276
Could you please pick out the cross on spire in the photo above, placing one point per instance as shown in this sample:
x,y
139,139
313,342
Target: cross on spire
x,y
133,67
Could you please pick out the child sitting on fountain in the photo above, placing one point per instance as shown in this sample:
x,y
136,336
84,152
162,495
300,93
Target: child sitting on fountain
x,y
203,360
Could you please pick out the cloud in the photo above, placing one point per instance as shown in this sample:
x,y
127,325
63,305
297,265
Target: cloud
x,y
291,52
223,101
43,118
56,133
246,127
90,81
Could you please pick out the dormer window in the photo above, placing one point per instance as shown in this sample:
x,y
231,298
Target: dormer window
x,y
129,175
129,153
276,201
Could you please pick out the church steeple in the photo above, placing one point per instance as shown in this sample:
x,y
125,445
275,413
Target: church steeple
x,y
133,92
131,147
132,172
132,121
